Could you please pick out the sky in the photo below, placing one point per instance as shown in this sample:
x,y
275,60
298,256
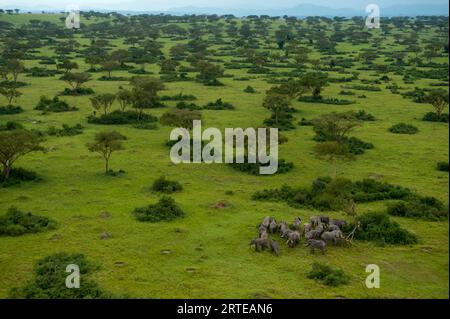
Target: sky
x,y
155,5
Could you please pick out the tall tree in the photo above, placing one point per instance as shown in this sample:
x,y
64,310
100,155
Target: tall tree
x,y
106,143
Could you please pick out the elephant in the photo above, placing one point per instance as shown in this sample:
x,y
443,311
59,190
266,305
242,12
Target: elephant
x,y
334,236
274,248
273,226
316,244
259,244
293,238
296,224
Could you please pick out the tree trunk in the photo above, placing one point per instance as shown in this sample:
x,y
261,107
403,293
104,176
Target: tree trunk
x,y
106,166
6,171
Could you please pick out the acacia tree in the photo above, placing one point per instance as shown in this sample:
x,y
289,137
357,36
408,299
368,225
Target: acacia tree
x,y
145,93
335,126
439,100
15,144
103,102
10,94
278,104
67,66
15,66
109,66
76,80
106,143
125,98
315,81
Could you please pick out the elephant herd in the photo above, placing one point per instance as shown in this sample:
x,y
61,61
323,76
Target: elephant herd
x,y
319,231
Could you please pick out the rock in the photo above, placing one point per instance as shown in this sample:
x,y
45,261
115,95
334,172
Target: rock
x,y
105,235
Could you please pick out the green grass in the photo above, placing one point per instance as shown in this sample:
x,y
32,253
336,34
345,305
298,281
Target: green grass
x,y
215,242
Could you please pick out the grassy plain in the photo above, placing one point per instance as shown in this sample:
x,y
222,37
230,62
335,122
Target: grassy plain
x,y
210,254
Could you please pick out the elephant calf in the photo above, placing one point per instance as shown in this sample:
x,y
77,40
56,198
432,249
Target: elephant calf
x,y
259,244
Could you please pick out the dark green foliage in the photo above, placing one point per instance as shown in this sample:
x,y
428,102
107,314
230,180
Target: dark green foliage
x,y
379,228
249,89
10,109
253,168
16,223
328,275
10,126
283,123
218,105
42,72
165,210
357,146
310,99
164,185
427,208
364,116
443,166
17,176
122,117
190,106
434,117
49,281
78,91
403,128
53,105
333,194
179,97
66,130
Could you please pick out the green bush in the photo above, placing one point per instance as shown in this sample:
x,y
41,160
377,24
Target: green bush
x,y
16,223
78,91
66,130
165,210
17,176
164,185
443,166
122,117
403,128
328,275
10,109
190,106
434,117
253,168
379,228
249,89
218,105
50,275
53,105
427,208
10,126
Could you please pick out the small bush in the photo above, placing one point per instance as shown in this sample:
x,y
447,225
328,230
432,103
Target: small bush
x,y
165,210
10,126
53,105
16,223
443,166
327,275
403,128
434,117
334,101
50,277
249,89
66,130
379,228
79,91
122,117
178,97
364,116
218,105
164,185
253,168
17,176
10,109
190,106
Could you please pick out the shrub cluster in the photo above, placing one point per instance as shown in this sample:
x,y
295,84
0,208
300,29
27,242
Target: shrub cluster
x,y
16,223
332,194
218,105
164,185
253,168
379,228
403,128
50,277
10,109
427,208
122,117
10,126
165,210
334,101
328,275
443,166
18,175
434,117
53,105
66,130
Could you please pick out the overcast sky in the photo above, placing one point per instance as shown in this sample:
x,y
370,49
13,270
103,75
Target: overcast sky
x,y
154,5
167,4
